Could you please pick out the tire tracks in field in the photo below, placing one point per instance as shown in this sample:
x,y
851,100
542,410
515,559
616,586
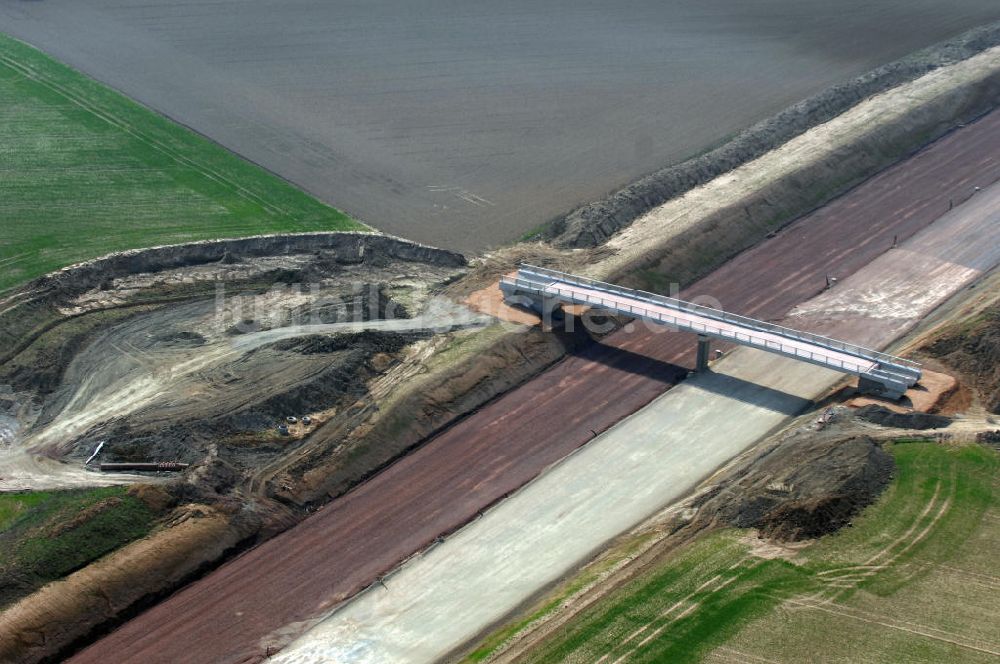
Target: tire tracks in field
x,y
707,589
858,574
917,629
842,580
847,578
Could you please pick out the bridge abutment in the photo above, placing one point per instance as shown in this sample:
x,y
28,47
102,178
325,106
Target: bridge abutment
x,y
879,389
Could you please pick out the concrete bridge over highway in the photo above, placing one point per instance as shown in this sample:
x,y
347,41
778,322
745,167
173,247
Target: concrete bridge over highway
x,y
545,290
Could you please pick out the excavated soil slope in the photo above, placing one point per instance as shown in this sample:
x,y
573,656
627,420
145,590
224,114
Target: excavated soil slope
x,y
973,348
189,353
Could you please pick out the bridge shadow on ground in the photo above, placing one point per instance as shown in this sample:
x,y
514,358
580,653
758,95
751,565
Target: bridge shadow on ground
x,y
753,394
620,359
668,374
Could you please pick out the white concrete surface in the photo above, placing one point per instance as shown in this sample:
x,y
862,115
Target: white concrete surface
x,y
439,600
885,299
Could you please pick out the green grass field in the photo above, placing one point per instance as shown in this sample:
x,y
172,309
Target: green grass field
x,y
915,579
45,535
84,171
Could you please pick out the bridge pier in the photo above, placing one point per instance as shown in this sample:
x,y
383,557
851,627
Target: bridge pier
x,y
549,307
704,348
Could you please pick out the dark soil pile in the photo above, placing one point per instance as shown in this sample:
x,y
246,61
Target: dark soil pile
x,y
247,437
887,418
808,486
989,438
372,341
184,338
973,348
40,366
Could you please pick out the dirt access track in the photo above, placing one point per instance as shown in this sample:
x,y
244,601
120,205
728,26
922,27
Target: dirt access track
x,y
462,124
261,600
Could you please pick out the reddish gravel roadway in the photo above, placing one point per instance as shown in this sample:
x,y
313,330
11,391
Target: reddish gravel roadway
x,y
228,615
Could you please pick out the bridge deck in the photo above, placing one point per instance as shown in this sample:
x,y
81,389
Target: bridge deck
x,y
543,286
702,324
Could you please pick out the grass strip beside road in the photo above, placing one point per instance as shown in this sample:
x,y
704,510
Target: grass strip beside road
x,y
85,171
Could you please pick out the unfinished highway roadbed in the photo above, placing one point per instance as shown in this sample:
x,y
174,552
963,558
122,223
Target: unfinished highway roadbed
x,y
272,594
473,580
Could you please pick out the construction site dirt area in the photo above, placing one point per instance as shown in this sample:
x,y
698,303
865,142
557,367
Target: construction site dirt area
x,y
491,301
934,389
469,124
232,361
269,595
347,446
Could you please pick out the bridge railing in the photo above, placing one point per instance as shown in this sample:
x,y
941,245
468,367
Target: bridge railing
x,y
700,328
900,364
